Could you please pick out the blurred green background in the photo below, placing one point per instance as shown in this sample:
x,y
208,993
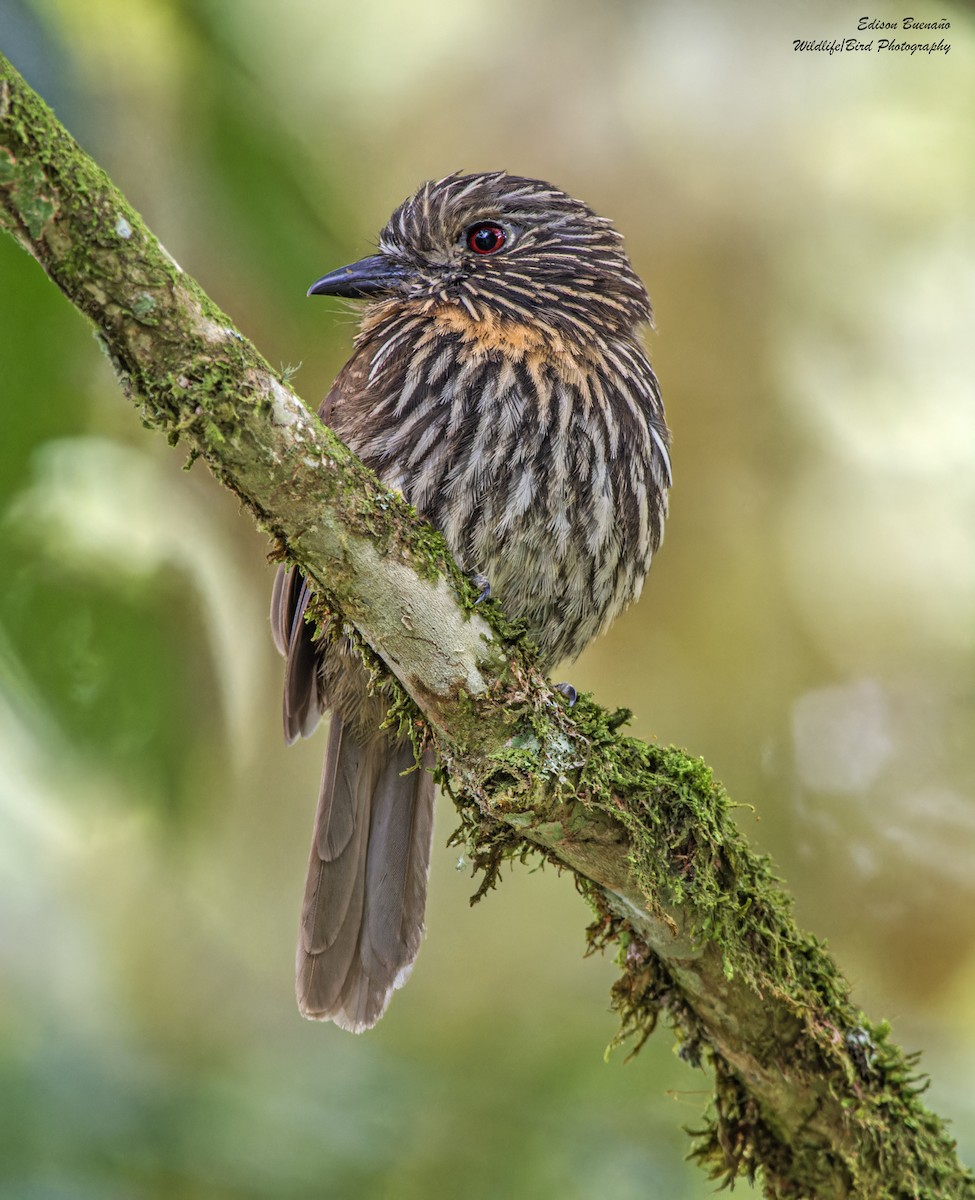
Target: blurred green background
x,y
805,224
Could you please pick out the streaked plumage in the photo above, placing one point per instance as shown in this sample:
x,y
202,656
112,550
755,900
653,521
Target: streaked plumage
x,y
507,394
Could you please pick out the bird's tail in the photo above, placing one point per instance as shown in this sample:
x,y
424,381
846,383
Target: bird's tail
x,y
362,915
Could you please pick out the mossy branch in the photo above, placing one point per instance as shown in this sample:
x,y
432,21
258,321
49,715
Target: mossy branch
x,y
810,1096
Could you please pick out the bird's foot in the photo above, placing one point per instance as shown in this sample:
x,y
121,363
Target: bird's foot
x,y
483,584
568,691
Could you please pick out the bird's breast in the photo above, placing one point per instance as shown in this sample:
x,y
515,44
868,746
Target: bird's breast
x,y
530,454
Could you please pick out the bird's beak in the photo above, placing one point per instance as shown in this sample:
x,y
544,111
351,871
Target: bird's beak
x,y
377,275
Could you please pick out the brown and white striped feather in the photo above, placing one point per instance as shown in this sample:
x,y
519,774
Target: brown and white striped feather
x,y
550,479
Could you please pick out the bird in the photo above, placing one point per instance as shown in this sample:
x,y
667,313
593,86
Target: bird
x,y
500,383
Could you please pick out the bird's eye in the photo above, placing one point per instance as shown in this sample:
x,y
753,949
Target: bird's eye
x,y
485,237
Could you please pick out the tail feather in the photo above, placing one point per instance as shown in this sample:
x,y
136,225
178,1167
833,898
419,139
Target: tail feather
x,y
362,916
400,832
294,639
336,882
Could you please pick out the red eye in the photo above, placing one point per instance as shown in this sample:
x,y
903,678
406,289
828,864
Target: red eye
x,y
486,238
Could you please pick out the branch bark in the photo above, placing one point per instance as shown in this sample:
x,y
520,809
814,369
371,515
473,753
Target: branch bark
x,y
810,1096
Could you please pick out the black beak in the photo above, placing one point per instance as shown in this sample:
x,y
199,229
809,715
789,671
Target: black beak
x,y
377,275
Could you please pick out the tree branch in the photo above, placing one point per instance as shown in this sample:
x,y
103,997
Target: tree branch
x,y
809,1094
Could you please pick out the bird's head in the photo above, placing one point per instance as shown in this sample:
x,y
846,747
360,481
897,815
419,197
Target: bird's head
x,y
502,248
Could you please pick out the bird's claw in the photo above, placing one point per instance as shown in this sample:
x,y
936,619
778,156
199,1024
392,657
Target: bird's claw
x,y
568,691
483,584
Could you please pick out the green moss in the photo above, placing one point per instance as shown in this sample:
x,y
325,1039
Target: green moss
x,y
35,208
563,767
